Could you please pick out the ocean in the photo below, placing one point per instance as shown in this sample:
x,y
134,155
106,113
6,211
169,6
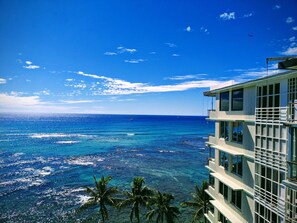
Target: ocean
x,y
46,160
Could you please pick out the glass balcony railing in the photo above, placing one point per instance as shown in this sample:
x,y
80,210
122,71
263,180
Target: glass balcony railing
x,y
292,171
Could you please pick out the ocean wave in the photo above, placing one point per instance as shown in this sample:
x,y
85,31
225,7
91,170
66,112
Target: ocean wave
x,y
45,171
130,134
55,135
18,154
67,142
167,151
82,199
84,160
139,154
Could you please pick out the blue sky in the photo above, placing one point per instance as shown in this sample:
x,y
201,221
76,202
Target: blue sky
x,y
135,57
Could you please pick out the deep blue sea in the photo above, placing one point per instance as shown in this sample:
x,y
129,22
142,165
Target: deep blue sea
x,y
45,160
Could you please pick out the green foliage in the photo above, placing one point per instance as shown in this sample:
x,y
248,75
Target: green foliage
x,y
161,208
200,201
101,195
137,198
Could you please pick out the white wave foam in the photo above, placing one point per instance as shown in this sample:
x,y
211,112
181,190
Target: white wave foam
x,y
130,134
45,171
56,135
67,142
18,154
84,161
139,154
82,198
166,151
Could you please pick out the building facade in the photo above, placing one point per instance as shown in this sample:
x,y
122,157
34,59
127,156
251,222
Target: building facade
x,y
253,152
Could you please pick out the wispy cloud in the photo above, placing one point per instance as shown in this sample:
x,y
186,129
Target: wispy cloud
x,y
227,16
294,28
171,45
70,79
292,39
175,55
2,81
189,29
44,92
134,61
110,53
153,52
111,86
29,65
120,50
289,20
276,7
14,100
290,51
187,77
204,30
78,101
248,15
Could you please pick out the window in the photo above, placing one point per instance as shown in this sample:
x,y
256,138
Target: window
x,y
236,199
237,165
224,130
224,101
211,180
224,161
223,190
237,132
237,100
223,219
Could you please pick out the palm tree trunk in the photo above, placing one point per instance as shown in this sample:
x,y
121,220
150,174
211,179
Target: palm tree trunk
x,y
102,215
137,207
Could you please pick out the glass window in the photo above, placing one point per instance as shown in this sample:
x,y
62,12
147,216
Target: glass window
x,y
224,101
223,189
211,180
222,218
237,132
224,161
237,165
237,100
224,130
236,198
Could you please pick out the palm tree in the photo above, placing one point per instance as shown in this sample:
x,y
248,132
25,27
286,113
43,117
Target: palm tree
x,y
200,201
138,197
160,206
102,196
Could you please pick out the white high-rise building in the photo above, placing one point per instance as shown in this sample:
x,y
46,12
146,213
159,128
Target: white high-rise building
x,y
253,152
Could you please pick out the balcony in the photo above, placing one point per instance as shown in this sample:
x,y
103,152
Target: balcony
x,y
292,171
271,114
211,113
292,113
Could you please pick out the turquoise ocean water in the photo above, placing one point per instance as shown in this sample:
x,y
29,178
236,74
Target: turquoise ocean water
x,y
46,159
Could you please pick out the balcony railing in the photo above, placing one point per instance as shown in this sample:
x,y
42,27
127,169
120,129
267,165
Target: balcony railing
x,y
292,112
272,114
210,112
292,171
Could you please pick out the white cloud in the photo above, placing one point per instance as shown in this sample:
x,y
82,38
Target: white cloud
x,y
289,20
171,45
186,77
204,30
113,86
188,29
227,16
30,65
110,53
78,101
175,55
16,101
122,49
292,39
290,51
2,81
276,7
248,15
294,28
70,79
44,92
134,61
153,53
